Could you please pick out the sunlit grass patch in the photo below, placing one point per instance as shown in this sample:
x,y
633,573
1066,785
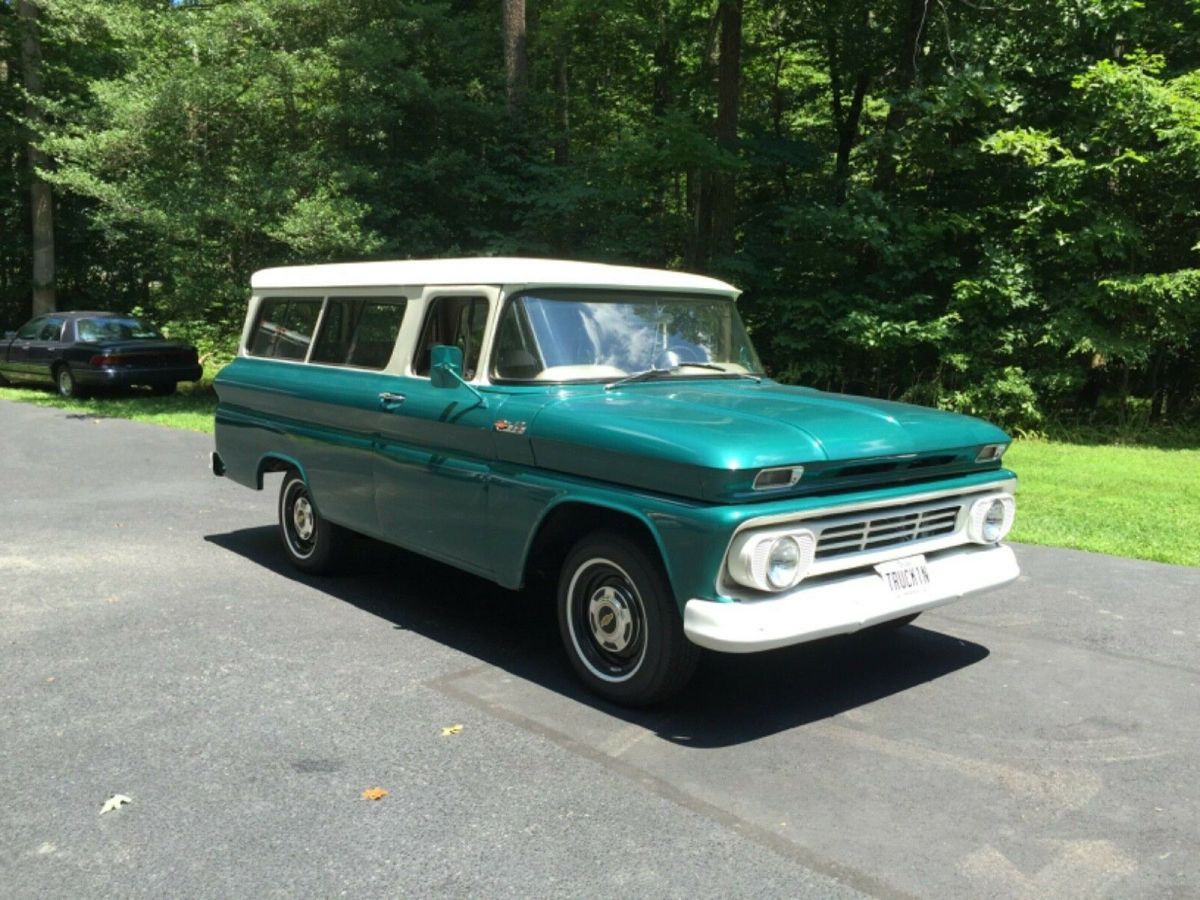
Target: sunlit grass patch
x,y
1142,502
191,408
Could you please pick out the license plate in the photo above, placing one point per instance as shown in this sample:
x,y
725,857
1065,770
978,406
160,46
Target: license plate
x,y
908,577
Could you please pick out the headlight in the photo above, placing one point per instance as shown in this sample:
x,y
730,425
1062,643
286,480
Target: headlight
x,y
783,562
991,518
771,560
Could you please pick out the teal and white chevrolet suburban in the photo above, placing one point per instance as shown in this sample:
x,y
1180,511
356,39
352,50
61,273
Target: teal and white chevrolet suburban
x,y
612,426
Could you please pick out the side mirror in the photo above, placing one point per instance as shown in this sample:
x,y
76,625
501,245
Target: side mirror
x,y
9,335
446,366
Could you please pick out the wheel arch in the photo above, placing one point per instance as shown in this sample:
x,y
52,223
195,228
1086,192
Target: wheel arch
x,y
279,462
565,523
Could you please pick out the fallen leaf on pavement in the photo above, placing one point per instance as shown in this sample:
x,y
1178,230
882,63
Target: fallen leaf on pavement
x,y
116,801
451,729
375,793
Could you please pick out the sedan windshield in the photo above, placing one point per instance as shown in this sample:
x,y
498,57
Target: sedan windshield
x,y
115,328
561,336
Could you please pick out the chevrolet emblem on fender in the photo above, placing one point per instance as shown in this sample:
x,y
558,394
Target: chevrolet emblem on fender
x,y
509,427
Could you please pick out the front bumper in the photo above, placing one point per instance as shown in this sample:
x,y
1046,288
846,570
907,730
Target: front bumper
x,y
841,605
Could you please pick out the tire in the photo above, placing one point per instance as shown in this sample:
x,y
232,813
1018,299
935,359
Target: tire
x,y
163,390
312,543
620,624
68,387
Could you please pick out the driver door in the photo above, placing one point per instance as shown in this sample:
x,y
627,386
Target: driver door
x,y
435,447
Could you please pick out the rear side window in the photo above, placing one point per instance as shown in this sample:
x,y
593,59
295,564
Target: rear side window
x,y
285,327
359,331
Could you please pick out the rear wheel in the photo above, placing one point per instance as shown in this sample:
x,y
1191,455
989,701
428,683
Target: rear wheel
x,y
165,389
313,544
620,624
67,386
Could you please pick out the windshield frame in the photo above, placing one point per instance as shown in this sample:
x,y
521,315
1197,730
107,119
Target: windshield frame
x,y
615,294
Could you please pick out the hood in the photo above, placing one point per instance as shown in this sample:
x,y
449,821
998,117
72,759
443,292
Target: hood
x,y
708,439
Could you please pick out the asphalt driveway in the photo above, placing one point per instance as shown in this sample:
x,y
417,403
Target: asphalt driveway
x,y
1040,741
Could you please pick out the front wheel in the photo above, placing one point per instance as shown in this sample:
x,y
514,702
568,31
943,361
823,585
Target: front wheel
x,y
313,544
620,624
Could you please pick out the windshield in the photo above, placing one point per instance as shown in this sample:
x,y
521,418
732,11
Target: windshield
x,y
115,328
591,336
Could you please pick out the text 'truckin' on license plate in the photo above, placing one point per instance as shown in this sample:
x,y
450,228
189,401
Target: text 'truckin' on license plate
x,y
908,577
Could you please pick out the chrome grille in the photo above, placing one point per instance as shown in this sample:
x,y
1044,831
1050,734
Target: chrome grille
x,y
886,528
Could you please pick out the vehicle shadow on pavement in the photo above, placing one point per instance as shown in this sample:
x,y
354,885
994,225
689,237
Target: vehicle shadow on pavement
x,y
733,698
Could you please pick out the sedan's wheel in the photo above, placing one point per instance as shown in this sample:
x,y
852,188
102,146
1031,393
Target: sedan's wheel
x,y
68,387
163,389
312,543
620,624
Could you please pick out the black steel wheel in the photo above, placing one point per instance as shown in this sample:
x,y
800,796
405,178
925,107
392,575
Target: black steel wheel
x,y
620,624
312,543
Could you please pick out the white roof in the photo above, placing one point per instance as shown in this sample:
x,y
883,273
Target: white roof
x,y
514,273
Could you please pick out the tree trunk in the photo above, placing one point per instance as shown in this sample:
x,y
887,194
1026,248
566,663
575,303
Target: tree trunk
x,y
41,203
664,64
729,78
906,76
516,57
562,81
848,136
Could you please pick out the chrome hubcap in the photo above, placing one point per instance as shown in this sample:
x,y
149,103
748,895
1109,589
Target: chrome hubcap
x,y
611,619
302,519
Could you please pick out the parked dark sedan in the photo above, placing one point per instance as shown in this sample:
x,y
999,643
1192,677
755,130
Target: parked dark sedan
x,y
78,351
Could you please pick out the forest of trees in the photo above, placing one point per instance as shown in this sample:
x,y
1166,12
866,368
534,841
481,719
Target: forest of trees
x,y
989,205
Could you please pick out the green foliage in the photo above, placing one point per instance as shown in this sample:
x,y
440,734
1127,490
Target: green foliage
x,y
985,207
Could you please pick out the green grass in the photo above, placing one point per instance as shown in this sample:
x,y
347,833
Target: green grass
x,y
1142,502
1137,501
191,408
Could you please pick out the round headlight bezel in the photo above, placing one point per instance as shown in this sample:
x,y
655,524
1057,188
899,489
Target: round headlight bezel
x,y
751,553
982,531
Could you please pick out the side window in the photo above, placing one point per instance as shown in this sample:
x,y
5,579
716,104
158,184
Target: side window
x,y
285,327
30,330
52,330
458,321
359,332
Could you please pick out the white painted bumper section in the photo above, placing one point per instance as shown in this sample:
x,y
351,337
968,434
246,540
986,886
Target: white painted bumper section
x,y
842,605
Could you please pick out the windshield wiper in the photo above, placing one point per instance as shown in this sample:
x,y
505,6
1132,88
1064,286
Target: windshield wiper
x,y
650,374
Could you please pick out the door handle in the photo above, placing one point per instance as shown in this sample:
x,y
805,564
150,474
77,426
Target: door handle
x,y
388,400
